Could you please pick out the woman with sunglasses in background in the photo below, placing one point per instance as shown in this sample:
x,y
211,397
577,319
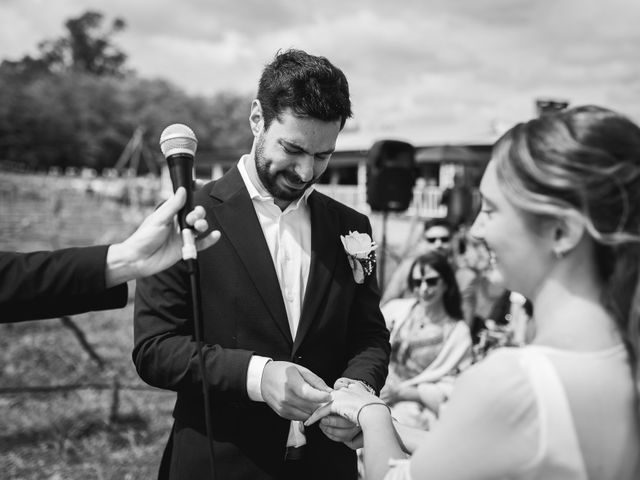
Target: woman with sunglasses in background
x,y
430,343
561,212
436,236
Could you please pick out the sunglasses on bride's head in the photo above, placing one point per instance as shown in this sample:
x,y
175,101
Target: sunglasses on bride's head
x,y
431,281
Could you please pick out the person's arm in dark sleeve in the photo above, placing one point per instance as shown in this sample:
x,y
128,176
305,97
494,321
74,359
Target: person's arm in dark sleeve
x,y
41,285
75,280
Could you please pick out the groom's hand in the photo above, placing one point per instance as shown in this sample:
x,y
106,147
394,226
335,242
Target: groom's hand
x,y
339,429
292,391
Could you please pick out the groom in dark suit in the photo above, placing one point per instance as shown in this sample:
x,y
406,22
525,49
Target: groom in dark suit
x,y
285,313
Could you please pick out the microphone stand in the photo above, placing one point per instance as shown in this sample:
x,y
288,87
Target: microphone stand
x,y
178,144
189,256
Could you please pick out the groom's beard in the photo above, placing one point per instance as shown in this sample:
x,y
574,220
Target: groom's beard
x,y
269,179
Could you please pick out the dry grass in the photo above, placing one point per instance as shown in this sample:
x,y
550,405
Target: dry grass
x,y
68,435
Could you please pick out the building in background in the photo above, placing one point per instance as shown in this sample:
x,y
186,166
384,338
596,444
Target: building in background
x,y
345,179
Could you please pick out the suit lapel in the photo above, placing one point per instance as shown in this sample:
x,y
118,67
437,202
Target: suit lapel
x,y
324,250
239,222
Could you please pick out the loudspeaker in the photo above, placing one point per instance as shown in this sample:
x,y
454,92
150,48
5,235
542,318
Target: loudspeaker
x,y
391,174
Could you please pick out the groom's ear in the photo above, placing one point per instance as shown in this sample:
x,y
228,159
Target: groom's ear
x,y
256,118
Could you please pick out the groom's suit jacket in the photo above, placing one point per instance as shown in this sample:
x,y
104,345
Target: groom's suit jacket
x,y
341,333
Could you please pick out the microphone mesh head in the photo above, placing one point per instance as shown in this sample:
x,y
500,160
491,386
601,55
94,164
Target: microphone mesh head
x,y
178,138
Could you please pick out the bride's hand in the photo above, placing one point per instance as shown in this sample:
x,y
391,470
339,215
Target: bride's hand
x,y
389,394
346,402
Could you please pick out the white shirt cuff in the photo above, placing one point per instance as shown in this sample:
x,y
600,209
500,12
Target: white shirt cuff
x,y
254,377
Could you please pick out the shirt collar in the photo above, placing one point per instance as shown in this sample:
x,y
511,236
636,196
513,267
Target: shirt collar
x,y
259,193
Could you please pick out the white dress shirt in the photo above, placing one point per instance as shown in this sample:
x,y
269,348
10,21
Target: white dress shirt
x,y
288,236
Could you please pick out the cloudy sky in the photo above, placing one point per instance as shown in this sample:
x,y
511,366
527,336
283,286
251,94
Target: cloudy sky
x,y
422,70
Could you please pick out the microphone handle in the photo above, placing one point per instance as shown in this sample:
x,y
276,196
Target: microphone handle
x,y
181,172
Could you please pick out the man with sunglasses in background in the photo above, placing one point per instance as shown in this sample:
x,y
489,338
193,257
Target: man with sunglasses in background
x,y
437,236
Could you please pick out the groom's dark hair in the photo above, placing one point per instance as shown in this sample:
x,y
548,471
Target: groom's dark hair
x,y
309,85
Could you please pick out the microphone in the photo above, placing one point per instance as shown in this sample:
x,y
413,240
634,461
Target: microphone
x,y
178,144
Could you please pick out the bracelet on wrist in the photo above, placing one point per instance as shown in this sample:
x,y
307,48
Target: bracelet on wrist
x,y
367,405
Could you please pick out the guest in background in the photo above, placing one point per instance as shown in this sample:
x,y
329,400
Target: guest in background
x,y
458,199
436,236
430,342
480,283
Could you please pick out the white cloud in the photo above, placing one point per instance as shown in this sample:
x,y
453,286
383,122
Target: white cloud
x,y
433,65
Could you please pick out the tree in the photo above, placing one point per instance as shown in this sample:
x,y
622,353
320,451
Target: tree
x,y
85,48
75,105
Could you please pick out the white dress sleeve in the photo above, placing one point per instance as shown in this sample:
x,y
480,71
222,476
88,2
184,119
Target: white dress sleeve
x,y
488,429
399,470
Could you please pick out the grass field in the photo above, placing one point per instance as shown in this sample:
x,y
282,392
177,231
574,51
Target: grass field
x,y
69,434
73,434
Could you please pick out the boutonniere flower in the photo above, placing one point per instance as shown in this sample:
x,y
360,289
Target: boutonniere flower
x,y
361,254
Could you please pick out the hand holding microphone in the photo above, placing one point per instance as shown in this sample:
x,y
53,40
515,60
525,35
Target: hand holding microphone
x,y
155,245
178,144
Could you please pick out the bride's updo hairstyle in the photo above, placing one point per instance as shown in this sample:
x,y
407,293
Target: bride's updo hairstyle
x,y
585,159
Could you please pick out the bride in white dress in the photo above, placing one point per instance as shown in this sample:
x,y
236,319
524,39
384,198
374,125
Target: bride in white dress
x,y
561,213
